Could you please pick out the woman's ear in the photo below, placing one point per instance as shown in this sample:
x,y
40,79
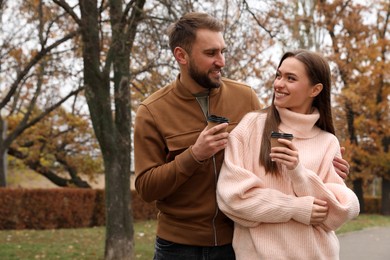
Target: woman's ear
x,y
180,55
316,90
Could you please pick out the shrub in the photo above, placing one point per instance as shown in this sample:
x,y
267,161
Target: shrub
x,y
61,208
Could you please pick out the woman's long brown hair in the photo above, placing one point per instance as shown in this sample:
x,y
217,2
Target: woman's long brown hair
x,y
318,71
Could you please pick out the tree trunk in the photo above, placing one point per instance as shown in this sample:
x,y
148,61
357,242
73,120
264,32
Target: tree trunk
x,y
358,189
3,168
386,181
112,128
385,197
119,242
3,154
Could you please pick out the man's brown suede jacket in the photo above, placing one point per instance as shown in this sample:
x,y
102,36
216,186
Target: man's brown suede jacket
x,y
167,124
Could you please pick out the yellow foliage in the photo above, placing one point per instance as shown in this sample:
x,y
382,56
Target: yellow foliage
x,y
58,139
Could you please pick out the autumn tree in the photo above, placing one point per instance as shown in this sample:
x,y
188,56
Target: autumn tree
x,y
124,48
359,49
24,75
108,31
59,147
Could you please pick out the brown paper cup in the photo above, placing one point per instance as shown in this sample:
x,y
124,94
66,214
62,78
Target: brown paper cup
x,y
212,124
214,120
276,136
275,143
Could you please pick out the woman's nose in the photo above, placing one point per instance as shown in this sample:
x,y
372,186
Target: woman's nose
x,y
278,83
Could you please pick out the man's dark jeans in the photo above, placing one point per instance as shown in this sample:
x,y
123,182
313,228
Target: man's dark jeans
x,y
166,250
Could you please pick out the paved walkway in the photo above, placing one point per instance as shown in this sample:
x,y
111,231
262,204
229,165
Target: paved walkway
x,y
367,244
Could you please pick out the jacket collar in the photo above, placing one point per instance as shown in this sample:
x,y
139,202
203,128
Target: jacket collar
x,y
180,90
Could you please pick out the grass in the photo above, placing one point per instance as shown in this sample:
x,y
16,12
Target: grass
x,y
70,244
364,221
88,243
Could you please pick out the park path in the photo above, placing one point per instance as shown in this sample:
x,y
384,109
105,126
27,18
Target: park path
x,y
366,244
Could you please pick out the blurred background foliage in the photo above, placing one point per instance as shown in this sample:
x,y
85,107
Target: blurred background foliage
x,y
46,123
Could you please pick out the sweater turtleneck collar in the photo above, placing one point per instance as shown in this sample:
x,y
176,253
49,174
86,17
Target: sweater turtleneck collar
x,y
300,125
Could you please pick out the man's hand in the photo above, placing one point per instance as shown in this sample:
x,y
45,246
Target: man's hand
x,y
319,212
341,165
209,143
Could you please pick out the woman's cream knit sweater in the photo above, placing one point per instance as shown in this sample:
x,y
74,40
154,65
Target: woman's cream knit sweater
x,y
272,214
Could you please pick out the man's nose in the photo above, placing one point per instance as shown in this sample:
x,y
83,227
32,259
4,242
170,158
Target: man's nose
x,y
220,60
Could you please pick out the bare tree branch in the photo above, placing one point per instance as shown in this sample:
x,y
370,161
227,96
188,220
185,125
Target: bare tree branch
x,y
257,20
36,166
38,57
68,10
22,127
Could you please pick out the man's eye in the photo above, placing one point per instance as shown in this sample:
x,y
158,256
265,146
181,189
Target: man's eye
x,y
210,53
213,53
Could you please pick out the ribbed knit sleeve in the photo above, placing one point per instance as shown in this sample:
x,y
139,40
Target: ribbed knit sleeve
x,y
246,196
325,184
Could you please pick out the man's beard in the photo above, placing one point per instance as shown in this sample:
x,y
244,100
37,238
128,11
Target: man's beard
x,y
202,78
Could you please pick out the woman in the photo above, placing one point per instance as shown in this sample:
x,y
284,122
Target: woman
x,y
287,201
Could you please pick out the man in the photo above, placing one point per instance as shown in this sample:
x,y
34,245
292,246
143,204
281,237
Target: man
x,y
177,159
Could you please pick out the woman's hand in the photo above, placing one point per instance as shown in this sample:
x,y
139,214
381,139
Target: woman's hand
x,y
287,156
319,212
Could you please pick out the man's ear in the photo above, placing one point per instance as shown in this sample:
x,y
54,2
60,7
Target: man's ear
x,y
180,55
316,89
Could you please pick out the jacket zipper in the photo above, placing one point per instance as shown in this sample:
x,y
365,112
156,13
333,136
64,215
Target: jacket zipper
x,y
216,208
215,179
215,172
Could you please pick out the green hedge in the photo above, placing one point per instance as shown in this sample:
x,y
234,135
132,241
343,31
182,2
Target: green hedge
x,y
61,208
75,207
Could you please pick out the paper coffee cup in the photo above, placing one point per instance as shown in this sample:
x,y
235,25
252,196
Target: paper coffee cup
x,y
275,136
214,120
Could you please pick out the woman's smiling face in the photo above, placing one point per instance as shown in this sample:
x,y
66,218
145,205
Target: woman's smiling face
x,y
293,89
